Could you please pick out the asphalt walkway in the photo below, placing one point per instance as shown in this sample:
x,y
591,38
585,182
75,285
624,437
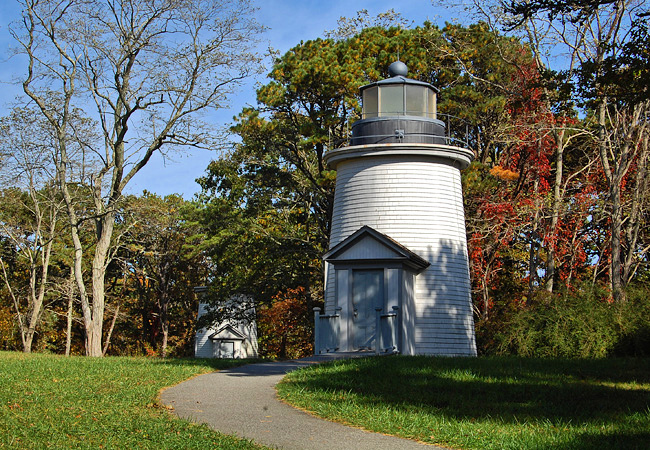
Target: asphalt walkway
x,y
243,402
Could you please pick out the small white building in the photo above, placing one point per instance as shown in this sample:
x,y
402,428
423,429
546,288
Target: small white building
x,y
231,338
397,270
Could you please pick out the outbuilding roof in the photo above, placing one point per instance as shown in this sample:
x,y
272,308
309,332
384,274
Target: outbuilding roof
x,y
228,333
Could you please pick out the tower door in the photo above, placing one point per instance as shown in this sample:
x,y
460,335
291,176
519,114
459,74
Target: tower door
x,y
367,293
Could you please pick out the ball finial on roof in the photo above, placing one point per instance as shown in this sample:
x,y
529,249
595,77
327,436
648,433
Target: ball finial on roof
x,y
398,68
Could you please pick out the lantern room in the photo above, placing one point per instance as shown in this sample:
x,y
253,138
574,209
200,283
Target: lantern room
x,y
398,110
398,96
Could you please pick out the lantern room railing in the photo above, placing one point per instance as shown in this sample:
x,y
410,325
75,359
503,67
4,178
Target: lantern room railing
x,y
445,130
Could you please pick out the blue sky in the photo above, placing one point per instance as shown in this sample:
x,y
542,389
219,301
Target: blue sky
x,y
289,22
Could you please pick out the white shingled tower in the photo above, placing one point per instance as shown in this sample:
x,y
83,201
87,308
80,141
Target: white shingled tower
x,y
397,272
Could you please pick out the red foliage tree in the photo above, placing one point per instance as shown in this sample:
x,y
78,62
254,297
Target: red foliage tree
x,y
284,327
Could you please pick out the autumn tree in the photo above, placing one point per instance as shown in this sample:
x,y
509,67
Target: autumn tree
x,y
284,326
602,76
163,271
30,206
145,71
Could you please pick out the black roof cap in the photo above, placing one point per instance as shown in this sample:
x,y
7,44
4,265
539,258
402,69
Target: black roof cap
x,y
397,72
398,68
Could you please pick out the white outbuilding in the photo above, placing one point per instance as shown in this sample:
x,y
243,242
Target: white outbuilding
x,y
234,337
397,271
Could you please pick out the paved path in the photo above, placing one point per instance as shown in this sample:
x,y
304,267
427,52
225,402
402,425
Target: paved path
x,y
242,402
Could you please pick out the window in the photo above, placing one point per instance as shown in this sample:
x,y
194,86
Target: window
x,y
416,100
431,107
399,100
391,100
370,102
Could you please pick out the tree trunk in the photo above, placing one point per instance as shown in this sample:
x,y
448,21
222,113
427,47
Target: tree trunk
x,y
533,254
614,173
165,335
34,315
573,246
68,333
486,300
38,296
618,286
94,313
27,343
164,324
283,346
110,331
635,218
555,211
19,316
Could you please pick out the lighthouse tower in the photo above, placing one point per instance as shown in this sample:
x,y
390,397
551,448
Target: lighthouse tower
x,y
397,272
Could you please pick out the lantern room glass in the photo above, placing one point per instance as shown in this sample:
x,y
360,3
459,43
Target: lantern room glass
x,y
431,105
399,100
370,102
391,100
416,101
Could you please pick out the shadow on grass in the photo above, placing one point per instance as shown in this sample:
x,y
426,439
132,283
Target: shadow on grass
x,y
585,441
605,402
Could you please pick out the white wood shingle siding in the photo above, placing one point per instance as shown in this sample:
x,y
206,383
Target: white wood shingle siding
x,y
202,343
417,201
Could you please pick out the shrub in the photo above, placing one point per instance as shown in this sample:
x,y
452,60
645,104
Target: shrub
x,y
634,324
580,324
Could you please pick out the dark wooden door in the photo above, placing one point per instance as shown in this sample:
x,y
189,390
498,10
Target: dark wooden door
x,y
367,294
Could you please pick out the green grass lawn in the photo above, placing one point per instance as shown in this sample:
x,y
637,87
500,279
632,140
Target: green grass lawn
x,y
55,402
484,403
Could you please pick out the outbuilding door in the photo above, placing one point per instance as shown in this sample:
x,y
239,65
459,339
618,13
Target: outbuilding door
x,y
227,349
367,293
